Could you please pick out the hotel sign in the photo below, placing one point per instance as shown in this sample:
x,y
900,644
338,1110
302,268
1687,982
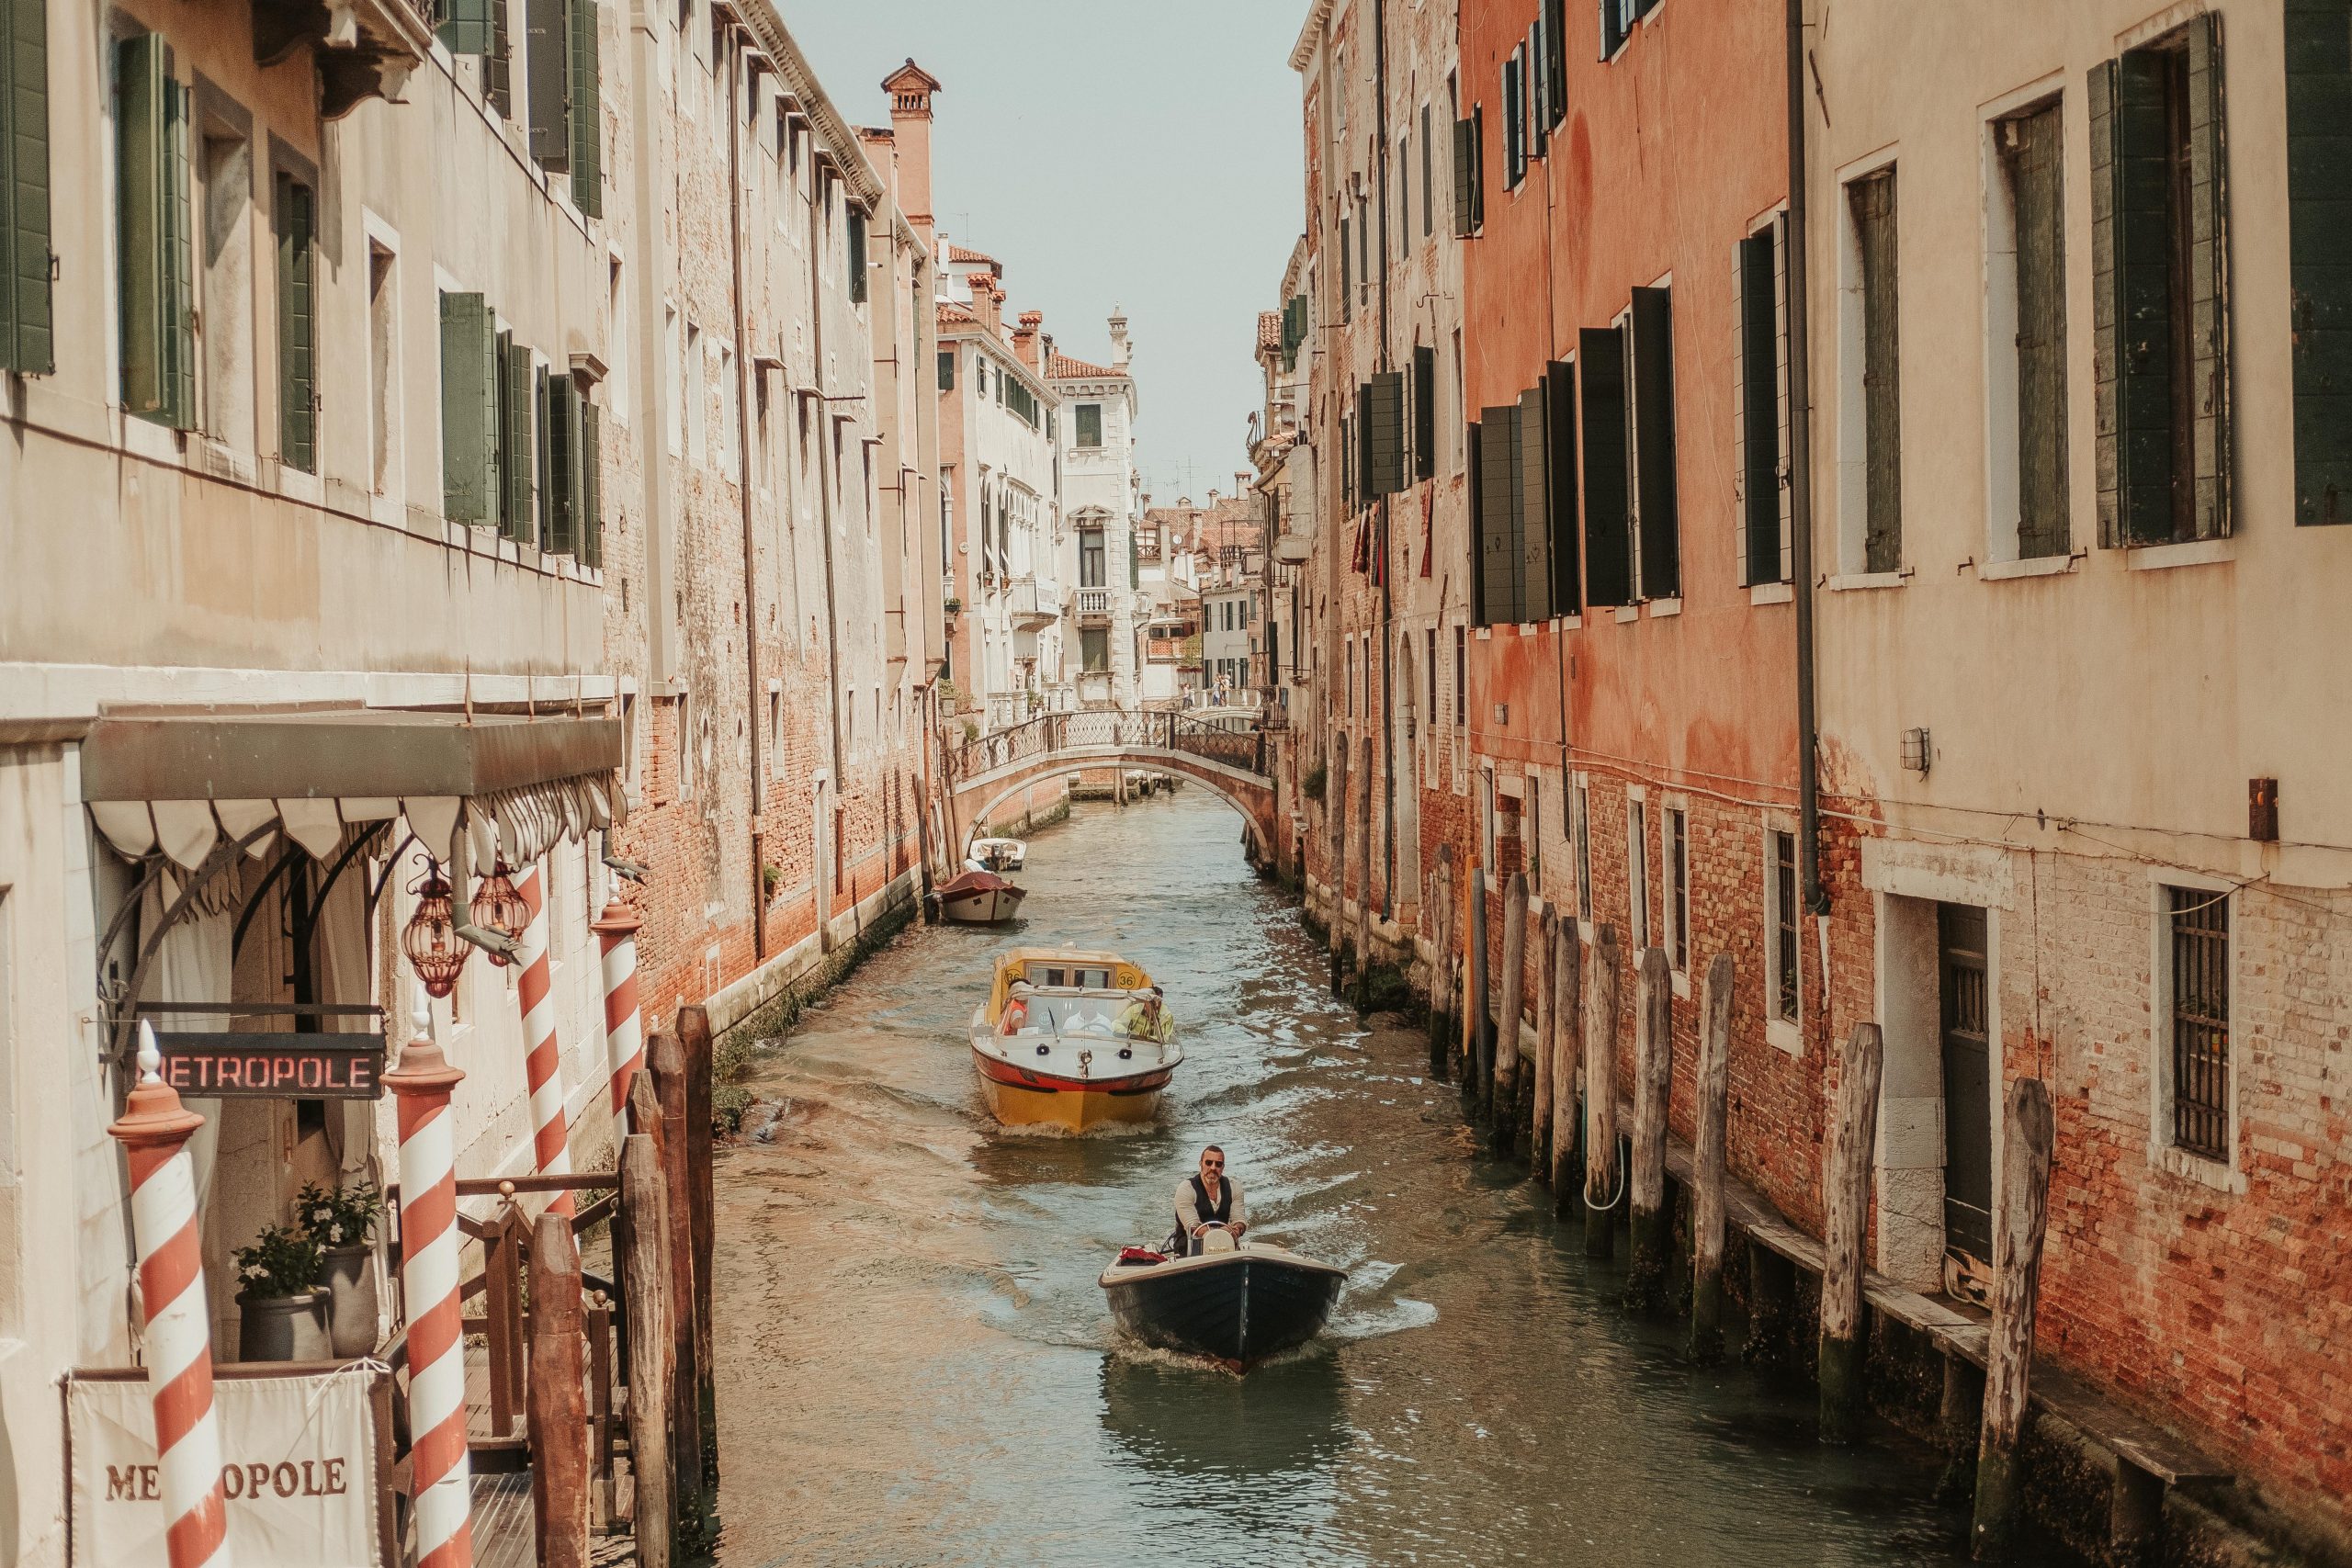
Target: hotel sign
x,y
273,1066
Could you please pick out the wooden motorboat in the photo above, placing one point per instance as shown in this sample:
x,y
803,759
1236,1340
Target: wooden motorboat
x,y
1076,1052
1001,854
979,898
1236,1305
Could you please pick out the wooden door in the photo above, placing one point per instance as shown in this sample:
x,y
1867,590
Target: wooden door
x,y
1968,1098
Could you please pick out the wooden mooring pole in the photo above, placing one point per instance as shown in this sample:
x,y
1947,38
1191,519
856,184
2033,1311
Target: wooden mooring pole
x,y
1363,897
694,1037
1603,1184
1337,933
1567,1053
1707,1165
645,1288
2017,1287
1539,1074
558,1400
1478,1086
1510,996
1441,1003
1653,1078
1846,1201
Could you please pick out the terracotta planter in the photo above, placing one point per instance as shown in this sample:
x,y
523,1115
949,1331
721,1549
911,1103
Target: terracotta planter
x,y
284,1329
350,1285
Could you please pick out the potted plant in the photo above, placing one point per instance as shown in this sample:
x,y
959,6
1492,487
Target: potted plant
x,y
283,1311
342,1225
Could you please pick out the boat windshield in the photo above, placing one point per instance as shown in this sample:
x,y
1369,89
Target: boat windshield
x,y
1080,976
1069,1012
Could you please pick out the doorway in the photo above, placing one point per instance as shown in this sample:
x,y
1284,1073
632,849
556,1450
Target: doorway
x,y
1968,1099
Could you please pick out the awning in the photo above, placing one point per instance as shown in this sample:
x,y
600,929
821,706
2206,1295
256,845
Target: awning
x,y
511,784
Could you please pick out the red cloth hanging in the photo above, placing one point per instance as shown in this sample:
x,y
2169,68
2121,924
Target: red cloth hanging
x,y
1429,514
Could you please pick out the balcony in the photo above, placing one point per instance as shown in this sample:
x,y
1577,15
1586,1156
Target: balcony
x,y
1092,607
364,49
1029,609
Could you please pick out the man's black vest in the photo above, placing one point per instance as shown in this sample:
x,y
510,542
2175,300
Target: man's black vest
x,y
1221,1211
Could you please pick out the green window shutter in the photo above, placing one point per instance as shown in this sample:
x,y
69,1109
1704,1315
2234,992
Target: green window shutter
x,y
1556,59
1500,555
548,70
1600,367
179,256
1758,347
298,420
1872,202
1654,443
2319,263
857,269
1424,411
1134,561
1534,508
1361,469
1476,433
1090,424
1384,434
592,485
2209,278
2106,336
497,63
469,390
2035,169
1560,431
468,27
514,450
543,424
946,369
562,533
1346,269
1465,172
587,109
27,342
142,155
2130,247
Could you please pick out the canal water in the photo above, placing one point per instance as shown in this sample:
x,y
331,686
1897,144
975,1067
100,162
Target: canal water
x,y
917,1366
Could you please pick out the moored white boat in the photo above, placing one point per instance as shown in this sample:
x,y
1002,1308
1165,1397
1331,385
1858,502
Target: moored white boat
x,y
1075,1052
979,898
1001,854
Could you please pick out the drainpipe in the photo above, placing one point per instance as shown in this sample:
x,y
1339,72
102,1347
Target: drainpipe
x,y
825,443
1387,607
1817,897
743,485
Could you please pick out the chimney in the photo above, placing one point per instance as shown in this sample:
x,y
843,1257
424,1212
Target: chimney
x,y
1118,340
1240,481
1025,338
988,300
910,87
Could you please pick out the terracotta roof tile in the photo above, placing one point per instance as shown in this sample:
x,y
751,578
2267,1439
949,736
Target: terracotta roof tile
x,y
1065,369
956,252
1270,328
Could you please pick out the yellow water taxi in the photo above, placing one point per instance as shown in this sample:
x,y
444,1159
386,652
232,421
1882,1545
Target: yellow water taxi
x,y
1073,1040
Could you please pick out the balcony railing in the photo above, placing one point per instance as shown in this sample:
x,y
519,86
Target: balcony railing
x,y
1094,605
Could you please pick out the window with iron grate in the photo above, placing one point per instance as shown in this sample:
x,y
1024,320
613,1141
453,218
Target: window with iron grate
x,y
1784,925
2200,1020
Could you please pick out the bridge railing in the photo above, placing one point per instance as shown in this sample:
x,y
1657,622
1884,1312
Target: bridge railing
x,y
1233,740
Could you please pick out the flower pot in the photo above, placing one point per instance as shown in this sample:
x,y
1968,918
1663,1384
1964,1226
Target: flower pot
x,y
284,1329
350,1299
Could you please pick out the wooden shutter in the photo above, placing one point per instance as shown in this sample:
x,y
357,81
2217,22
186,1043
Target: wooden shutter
x,y
548,68
142,91
2319,266
587,112
1466,168
1424,411
2035,168
467,26
1361,467
1608,562
1560,435
563,511
592,485
1429,169
1654,443
1534,507
27,343
469,419
1346,269
858,290
297,423
1475,434
2209,276
513,468
1612,35
1871,200
1384,434
1759,410
1498,514
1514,122
1556,59
2130,261
498,64
1538,91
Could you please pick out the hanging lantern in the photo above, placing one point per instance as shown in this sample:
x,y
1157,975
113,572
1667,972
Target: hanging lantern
x,y
430,938
497,906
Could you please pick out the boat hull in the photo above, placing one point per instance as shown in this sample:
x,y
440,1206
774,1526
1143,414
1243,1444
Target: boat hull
x,y
987,907
1238,1307
1019,1098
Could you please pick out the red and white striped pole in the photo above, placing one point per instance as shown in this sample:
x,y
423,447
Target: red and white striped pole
x,y
441,1481
153,1130
543,1066
623,1033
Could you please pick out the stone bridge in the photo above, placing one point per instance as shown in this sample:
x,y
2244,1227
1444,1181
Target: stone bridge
x,y
1229,755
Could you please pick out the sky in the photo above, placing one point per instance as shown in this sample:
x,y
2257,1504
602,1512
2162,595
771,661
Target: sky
x,y
1108,153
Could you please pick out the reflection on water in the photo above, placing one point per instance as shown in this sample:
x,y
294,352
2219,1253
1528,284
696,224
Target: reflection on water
x,y
918,1366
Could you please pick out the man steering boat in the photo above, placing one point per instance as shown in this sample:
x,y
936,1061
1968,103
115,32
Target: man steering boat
x,y
1208,1198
